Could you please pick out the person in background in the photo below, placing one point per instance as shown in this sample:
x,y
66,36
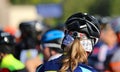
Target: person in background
x,y
108,48
51,44
28,45
104,49
81,34
7,59
115,60
32,64
51,48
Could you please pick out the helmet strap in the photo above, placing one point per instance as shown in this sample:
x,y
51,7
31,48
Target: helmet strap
x,y
50,52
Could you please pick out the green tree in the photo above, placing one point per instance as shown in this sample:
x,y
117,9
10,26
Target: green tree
x,y
100,7
94,7
73,6
115,8
32,2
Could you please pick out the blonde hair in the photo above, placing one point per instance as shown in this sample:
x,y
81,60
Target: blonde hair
x,y
75,55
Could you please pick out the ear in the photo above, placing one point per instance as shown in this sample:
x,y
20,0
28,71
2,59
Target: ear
x,y
2,55
66,32
47,48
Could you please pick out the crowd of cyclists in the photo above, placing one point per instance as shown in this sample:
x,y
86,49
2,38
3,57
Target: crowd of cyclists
x,y
84,43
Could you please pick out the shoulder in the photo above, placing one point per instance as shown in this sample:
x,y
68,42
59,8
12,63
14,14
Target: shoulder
x,y
115,56
53,65
40,68
84,68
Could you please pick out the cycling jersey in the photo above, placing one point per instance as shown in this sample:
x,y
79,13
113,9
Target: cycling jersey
x,y
55,65
11,63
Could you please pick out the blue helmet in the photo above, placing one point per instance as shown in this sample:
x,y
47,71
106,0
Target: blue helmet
x,y
52,38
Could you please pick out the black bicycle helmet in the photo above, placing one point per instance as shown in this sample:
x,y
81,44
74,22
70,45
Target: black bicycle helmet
x,y
83,26
6,38
28,25
84,23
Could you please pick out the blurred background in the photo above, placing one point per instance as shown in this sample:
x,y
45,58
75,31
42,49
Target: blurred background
x,y
12,12
53,13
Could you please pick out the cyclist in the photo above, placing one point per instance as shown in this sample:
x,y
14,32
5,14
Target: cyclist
x,y
81,34
7,59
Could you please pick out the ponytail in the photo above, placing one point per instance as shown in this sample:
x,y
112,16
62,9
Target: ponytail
x,y
75,55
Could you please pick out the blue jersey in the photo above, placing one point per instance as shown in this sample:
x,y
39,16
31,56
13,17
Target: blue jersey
x,y
55,65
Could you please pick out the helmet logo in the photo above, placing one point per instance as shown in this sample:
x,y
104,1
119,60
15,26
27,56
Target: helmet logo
x,y
6,39
68,39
